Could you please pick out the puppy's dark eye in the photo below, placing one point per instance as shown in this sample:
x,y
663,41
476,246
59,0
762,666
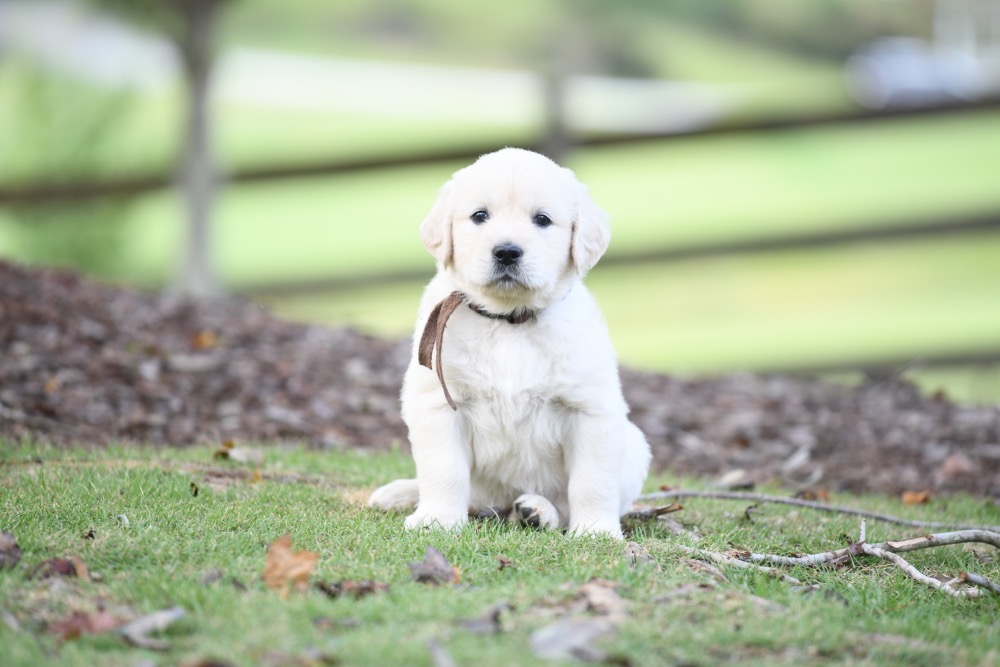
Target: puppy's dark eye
x,y
542,220
479,217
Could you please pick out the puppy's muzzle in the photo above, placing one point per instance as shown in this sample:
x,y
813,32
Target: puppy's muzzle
x,y
507,254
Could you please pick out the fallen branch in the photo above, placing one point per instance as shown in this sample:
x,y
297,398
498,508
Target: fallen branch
x,y
917,575
979,580
840,556
726,559
811,504
888,551
650,513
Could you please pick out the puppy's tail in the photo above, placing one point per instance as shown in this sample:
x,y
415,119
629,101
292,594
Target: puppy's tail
x,y
402,494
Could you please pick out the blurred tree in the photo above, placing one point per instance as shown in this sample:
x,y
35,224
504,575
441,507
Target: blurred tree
x,y
192,26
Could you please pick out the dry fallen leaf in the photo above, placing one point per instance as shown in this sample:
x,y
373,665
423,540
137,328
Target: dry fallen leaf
x,y
602,599
636,554
286,568
10,552
814,495
228,450
354,589
52,385
80,623
204,340
490,623
916,497
60,567
435,569
571,637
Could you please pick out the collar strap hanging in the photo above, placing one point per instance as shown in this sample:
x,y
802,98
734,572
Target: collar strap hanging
x,y
432,338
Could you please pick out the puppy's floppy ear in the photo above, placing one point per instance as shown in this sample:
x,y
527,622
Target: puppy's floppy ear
x,y
435,230
591,234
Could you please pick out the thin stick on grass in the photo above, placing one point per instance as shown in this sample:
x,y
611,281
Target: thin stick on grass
x,y
979,580
811,504
840,556
726,559
887,551
917,575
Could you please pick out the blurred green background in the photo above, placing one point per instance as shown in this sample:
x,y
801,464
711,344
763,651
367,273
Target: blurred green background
x,y
702,128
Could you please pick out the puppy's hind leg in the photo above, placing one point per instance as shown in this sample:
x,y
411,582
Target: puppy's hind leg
x,y
400,495
534,510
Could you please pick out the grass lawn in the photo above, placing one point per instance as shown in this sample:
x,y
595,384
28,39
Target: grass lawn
x,y
149,541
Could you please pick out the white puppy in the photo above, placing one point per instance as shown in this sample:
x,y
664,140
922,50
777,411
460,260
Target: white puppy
x,y
525,409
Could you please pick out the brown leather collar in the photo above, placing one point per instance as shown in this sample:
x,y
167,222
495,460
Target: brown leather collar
x,y
513,318
432,337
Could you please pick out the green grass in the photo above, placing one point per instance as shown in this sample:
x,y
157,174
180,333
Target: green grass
x,y
50,499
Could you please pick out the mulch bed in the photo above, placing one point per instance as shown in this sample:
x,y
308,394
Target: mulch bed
x,y
83,362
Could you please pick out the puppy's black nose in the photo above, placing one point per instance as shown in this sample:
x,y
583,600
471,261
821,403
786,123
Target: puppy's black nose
x,y
507,253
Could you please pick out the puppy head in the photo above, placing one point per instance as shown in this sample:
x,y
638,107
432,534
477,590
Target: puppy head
x,y
514,229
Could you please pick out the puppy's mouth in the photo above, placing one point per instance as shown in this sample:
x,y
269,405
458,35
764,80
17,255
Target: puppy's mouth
x,y
507,278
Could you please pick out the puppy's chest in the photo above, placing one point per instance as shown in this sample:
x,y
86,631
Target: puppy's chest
x,y
518,440
505,364
512,400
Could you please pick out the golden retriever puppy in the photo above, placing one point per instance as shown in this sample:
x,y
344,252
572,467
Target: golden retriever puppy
x,y
512,397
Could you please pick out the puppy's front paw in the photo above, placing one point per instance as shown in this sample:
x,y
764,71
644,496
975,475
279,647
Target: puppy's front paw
x,y
537,511
442,520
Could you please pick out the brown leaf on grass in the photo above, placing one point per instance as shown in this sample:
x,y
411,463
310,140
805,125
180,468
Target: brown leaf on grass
x,y
601,597
60,567
251,455
915,497
596,612
80,623
354,589
10,552
637,554
309,657
223,451
490,623
571,637
435,569
504,563
821,495
285,568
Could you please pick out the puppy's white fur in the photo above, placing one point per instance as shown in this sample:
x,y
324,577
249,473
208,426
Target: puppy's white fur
x,y
540,408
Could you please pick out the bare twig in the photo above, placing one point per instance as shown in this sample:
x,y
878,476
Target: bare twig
x,y
726,559
979,580
650,513
822,507
827,558
886,551
917,575
943,539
